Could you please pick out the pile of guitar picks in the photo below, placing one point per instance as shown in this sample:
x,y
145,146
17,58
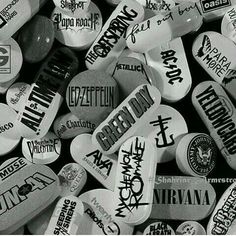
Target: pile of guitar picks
x,y
117,117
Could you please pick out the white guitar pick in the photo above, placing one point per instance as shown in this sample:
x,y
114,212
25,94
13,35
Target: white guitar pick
x,y
25,194
171,70
77,30
92,95
102,167
135,178
66,217
42,151
164,127
16,95
69,126
218,61
164,27
190,228
72,178
129,73
11,60
223,218
182,198
98,218
125,120
46,94
219,115
110,43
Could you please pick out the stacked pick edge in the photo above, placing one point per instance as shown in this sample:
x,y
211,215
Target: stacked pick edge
x,y
6,226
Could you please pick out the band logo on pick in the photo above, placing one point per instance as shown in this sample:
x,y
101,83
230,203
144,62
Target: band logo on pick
x,y
132,181
212,5
162,123
73,5
214,59
100,164
158,6
5,59
18,193
201,154
90,22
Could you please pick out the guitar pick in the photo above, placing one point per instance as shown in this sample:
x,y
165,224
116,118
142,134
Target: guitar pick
x,y
46,94
164,27
25,194
16,95
182,198
66,217
222,220
164,127
69,126
190,228
219,62
228,28
77,31
42,151
101,167
36,39
154,7
11,60
9,134
158,228
170,68
196,154
219,115
75,7
98,218
14,14
135,178
126,119
129,73
110,42
92,95
72,178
